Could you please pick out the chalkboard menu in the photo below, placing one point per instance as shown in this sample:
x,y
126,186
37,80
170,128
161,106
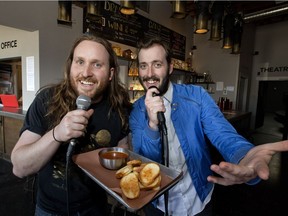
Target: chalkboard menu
x,y
125,29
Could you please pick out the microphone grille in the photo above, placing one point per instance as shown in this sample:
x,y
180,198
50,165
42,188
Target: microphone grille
x,y
83,102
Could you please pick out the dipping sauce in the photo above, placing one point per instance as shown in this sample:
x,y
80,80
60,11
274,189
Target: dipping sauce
x,y
113,158
114,155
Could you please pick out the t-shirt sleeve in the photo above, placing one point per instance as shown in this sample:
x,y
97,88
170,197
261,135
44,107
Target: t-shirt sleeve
x,y
35,120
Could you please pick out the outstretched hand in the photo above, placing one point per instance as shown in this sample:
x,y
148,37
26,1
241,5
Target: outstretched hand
x,y
255,163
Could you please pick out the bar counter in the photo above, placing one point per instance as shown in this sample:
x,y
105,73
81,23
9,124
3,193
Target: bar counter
x,y
16,113
11,120
234,116
240,121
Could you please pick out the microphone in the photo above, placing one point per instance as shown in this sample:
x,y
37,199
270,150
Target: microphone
x,y
83,102
160,115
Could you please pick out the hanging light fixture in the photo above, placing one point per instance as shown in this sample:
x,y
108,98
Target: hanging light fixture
x,y
64,11
237,34
216,22
127,7
179,8
93,8
202,17
228,31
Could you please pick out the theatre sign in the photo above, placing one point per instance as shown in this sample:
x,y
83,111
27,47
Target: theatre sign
x,y
267,72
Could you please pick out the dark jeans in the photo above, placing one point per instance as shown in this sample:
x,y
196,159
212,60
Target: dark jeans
x,y
151,210
86,212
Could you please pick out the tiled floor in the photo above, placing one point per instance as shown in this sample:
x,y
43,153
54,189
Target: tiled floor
x,y
268,198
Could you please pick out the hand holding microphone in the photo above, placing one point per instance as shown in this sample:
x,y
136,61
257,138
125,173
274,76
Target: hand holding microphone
x,y
83,102
157,104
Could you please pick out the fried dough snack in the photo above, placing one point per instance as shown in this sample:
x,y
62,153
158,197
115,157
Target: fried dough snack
x,y
136,176
130,185
124,171
149,173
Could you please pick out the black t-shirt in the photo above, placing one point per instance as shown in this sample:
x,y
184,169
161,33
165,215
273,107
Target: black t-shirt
x,y
103,130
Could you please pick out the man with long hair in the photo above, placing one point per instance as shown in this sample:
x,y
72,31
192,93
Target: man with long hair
x,y
53,120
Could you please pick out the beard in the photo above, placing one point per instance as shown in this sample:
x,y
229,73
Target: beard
x,y
163,87
96,94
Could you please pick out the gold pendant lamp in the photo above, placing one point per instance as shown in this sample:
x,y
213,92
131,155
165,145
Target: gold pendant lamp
x,y
202,17
237,34
179,9
127,7
216,22
228,31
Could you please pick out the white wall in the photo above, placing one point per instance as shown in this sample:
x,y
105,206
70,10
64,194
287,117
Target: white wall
x,y
27,45
223,66
272,45
54,40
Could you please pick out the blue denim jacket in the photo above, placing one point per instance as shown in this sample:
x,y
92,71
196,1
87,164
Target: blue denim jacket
x,y
194,114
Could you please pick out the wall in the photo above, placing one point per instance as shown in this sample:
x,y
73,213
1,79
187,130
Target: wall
x,y
262,46
55,40
223,66
271,45
27,45
160,12
40,17
245,67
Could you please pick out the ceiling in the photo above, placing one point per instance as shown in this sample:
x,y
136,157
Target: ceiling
x,y
248,8
245,8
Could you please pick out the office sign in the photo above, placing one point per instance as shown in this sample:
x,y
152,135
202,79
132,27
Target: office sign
x,y
8,44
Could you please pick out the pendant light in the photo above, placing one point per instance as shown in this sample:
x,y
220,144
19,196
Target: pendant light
x,y
228,31
64,11
127,7
93,8
217,12
179,8
237,34
202,17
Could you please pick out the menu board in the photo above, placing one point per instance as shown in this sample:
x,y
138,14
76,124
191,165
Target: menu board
x,y
129,29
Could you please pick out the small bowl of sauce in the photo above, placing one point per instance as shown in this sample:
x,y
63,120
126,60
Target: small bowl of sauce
x,y
113,158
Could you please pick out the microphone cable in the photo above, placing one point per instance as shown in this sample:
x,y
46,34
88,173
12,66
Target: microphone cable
x,y
69,154
164,144
83,102
165,158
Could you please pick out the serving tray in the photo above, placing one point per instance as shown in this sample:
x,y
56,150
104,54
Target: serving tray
x,y
89,163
